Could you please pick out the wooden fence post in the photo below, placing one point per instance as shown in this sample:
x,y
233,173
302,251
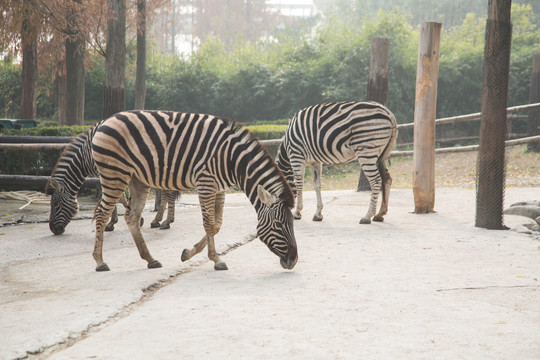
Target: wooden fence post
x,y
490,174
424,118
377,89
533,121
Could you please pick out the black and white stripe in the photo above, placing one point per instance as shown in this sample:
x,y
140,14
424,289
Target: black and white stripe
x,y
72,168
179,151
337,133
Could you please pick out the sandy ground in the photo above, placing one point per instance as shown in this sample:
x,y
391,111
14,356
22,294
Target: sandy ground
x,y
426,286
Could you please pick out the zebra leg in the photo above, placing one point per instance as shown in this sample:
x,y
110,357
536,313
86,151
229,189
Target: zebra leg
x,y
214,228
316,171
159,216
138,193
212,210
103,211
298,170
171,199
113,221
387,184
372,174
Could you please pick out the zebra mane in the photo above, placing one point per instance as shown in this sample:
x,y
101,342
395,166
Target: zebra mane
x,y
253,142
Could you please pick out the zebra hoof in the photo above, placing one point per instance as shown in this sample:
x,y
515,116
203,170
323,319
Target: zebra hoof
x,y
297,215
141,222
365,220
109,227
154,225
220,266
185,255
165,226
378,218
102,267
317,217
154,264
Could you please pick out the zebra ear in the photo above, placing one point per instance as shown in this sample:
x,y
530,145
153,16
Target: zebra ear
x,y
265,196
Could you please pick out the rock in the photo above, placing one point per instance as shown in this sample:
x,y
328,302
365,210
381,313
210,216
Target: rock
x,y
521,229
537,220
523,210
536,228
527,203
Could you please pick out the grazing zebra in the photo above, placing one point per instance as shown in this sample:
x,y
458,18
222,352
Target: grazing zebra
x,y
337,133
74,165
178,151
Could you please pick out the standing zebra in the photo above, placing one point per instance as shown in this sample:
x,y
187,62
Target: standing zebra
x,y
178,151
337,133
74,165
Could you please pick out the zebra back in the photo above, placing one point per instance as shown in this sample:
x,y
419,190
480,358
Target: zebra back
x,y
331,133
180,151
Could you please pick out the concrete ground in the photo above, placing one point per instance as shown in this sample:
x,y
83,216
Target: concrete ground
x,y
426,286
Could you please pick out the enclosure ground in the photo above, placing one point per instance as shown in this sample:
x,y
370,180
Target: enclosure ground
x,y
426,286
451,169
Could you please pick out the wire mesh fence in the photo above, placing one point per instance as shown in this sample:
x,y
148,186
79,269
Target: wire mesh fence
x,y
491,164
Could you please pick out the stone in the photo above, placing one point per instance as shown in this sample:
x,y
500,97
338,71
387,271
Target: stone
x,y
523,210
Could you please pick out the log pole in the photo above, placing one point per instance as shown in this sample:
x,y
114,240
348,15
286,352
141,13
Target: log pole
x,y
424,118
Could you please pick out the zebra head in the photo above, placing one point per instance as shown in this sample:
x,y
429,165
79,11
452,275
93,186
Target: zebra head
x,y
63,207
275,227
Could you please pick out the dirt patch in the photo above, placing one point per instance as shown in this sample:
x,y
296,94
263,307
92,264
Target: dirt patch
x,y
451,169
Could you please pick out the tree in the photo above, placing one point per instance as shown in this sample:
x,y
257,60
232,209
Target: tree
x,y
140,79
29,35
75,50
115,62
231,20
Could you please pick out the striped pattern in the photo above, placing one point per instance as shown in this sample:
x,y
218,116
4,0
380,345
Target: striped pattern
x,y
178,151
337,133
72,168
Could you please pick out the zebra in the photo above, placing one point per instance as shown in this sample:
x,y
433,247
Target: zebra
x,y
74,165
336,133
180,151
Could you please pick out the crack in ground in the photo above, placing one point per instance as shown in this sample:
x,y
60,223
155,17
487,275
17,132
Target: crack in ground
x,y
147,295
489,287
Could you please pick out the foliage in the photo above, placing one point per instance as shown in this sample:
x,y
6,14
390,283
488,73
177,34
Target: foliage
x,y
10,89
274,77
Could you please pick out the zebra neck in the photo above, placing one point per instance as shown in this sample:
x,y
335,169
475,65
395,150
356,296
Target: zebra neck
x,y
75,164
254,168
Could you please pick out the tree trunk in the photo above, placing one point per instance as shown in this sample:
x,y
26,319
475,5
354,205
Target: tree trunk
x,y
533,121
115,62
29,70
490,175
75,49
61,91
140,79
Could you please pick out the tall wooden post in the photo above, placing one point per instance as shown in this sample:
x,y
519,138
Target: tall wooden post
x,y
377,89
427,73
490,174
533,121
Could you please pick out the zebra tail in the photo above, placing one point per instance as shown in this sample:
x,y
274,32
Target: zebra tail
x,y
385,156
